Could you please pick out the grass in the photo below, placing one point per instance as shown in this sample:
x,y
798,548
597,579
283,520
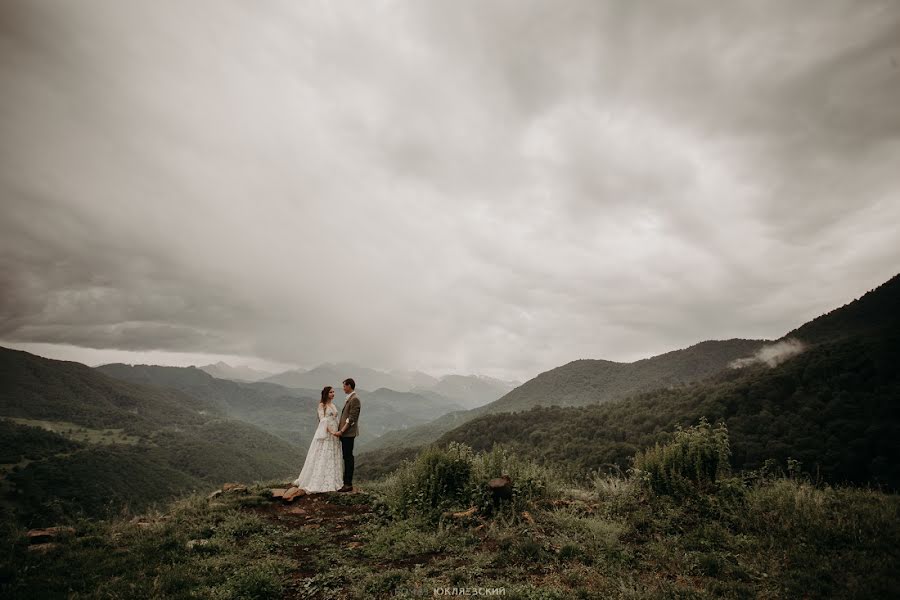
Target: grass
x,y
195,549
80,433
759,537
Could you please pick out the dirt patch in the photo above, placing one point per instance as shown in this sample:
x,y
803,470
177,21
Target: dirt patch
x,y
315,509
332,515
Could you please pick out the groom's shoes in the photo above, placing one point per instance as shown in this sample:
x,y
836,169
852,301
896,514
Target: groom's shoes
x,y
346,488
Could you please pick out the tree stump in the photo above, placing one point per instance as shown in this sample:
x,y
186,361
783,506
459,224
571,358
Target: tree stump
x,y
501,487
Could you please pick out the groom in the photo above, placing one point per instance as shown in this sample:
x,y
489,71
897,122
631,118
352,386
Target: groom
x,y
348,429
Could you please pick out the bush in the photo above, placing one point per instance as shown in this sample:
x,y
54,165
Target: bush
x,y
691,462
451,478
530,482
437,480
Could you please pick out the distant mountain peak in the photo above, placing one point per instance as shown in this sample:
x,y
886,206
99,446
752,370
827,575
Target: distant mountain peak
x,y
222,370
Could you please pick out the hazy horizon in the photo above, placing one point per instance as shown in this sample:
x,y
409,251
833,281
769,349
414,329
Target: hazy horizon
x,y
449,187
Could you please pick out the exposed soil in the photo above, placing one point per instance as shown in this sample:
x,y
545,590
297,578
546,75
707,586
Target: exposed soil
x,y
336,520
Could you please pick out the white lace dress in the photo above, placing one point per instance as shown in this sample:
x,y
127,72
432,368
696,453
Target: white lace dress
x,y
323,469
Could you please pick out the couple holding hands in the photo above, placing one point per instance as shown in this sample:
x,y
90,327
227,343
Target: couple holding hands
x,y
329,462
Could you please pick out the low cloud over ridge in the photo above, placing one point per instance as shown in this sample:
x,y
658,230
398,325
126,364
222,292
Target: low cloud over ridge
x,y
772,355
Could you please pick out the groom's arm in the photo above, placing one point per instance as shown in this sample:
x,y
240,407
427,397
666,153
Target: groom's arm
x,y
353,416
354,413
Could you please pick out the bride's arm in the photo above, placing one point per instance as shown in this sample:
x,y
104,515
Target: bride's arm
x,y
324,416
323,419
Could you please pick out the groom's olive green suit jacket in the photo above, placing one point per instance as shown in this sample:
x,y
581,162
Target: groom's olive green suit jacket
x,y
351,412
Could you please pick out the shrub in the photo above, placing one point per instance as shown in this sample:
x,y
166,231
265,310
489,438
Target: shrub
x,y
691,462
442,479
530,482
437,480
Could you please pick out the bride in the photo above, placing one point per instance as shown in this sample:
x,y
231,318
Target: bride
x,y
323,469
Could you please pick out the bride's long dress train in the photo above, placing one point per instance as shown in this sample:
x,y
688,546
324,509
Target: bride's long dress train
x,y
323,469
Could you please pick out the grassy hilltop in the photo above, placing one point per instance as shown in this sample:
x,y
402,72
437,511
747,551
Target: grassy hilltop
x,y
680,525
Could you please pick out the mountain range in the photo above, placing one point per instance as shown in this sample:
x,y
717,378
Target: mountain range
x,y
467,391
285,413
584,382
222,370
288,413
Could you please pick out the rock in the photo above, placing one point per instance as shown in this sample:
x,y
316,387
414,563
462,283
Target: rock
x,y
527,516
42,536
278,492
43,548
292,493
229,488
501,487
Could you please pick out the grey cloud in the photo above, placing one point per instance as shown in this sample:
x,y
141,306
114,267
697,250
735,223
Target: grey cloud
x,y
450,186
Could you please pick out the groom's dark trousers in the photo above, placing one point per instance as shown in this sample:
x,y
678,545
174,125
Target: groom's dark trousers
x,y
347,452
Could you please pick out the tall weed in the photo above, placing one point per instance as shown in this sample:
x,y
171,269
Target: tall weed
x,y
691,462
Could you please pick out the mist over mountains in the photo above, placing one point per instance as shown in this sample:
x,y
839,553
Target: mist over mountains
x,y
223,370
467,390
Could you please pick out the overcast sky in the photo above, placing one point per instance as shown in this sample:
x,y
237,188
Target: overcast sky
x,y
456,186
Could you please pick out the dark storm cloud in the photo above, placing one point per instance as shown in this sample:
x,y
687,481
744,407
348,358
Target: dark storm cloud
x,y
461,186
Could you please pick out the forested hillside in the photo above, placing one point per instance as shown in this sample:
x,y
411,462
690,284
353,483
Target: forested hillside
x,y
288,413
115,443
834,407
584,382
872,314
